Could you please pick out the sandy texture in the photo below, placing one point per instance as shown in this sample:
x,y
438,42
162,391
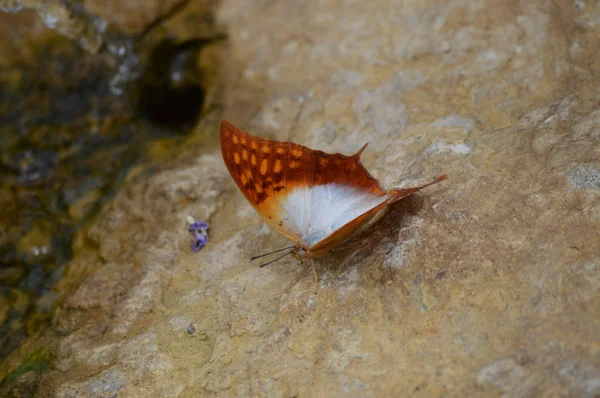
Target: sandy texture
x,y
485,285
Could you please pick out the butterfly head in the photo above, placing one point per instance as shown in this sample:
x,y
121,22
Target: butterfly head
x,y
300,252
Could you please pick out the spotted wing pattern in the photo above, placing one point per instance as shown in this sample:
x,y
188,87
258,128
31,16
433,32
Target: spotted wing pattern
x,y
266,171
278,179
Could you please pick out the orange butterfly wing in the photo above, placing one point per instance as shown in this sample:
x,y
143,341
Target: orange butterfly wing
x,y
335,168
266,171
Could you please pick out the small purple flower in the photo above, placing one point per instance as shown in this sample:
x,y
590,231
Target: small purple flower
x,y
199,232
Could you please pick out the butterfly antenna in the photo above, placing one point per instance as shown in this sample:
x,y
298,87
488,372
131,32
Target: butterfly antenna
x,y
269,253
272,261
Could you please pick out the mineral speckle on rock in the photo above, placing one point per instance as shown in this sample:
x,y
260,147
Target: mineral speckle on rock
x,y
191,329
484,285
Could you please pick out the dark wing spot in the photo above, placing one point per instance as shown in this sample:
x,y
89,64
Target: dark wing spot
x,y
261,197
278,188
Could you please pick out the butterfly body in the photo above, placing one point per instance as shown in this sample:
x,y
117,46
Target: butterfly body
x,y
313,198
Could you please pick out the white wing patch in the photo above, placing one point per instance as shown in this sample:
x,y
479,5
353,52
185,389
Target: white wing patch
x,y
332,206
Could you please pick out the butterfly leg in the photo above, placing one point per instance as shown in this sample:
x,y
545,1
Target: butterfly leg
x,y
312,261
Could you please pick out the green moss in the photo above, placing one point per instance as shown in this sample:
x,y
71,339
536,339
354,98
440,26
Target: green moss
x,y
37,361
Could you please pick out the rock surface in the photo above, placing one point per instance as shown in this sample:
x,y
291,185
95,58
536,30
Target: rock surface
x,y
485,285
63,17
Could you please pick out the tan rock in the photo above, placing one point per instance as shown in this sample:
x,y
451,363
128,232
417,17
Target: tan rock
x,y
485,285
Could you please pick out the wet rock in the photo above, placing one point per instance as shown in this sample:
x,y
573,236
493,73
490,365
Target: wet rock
x,y
73,22
36,242
4,308
24,380
12,274
67,132
171,89
130,16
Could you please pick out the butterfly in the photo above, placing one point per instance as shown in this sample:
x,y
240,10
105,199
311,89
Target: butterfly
x,y
313,198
